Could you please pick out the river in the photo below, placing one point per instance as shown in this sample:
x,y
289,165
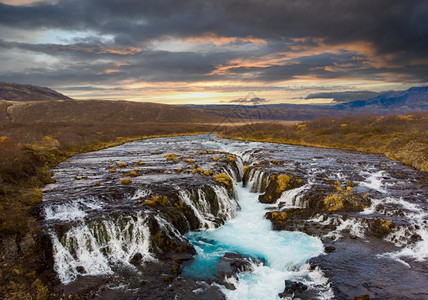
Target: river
x,y
341,224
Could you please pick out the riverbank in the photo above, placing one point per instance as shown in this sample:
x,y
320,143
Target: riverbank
x,y
403,138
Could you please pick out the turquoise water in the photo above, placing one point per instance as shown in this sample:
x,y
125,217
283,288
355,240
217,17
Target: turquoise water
x,y
249,233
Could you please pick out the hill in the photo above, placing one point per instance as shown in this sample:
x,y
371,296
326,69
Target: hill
x,y
27,92
88,111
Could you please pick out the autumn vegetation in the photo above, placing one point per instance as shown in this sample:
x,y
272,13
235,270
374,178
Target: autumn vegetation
x,y
403,138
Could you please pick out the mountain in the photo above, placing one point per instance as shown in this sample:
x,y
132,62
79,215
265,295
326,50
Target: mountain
x,y
413,99
27,92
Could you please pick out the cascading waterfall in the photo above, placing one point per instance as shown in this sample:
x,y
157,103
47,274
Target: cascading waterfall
x,y
255,180
204,220
93,249
250,234
292,198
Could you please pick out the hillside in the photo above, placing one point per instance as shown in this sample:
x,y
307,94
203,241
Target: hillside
x,y
27,92
399,137
87,111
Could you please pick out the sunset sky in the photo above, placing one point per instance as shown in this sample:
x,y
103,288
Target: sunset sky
x,y
215,51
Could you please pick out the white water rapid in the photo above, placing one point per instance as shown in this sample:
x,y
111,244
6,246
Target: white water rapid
x,y
250,234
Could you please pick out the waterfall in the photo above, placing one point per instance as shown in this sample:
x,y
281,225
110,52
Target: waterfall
x,y
92,248
203,221
255,180
227,205
292,198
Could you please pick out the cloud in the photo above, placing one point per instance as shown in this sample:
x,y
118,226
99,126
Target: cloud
x,y
110,42
344,96
250,99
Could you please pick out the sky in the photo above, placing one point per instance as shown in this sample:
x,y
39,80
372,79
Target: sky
x,y
216,51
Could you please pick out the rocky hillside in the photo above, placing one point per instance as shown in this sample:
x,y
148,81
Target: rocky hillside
x,y
27,92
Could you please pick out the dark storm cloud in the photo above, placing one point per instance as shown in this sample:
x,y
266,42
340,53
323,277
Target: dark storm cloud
x,y
344,96
393,25
397,30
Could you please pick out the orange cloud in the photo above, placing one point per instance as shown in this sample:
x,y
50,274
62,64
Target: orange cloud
x,y
318,46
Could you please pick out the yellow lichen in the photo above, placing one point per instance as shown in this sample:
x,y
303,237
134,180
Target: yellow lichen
x,y
223,178
171,156
283,182
125,181
333,202
208,172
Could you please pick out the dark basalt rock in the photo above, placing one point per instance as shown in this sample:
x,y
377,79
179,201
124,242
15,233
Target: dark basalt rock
x,y
329,249
380,227
230,265
293,289
278,183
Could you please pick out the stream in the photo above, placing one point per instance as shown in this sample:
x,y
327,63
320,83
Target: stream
x,y
337,224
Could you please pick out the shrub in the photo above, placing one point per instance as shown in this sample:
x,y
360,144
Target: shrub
x,y
122,164
223,178
126,181
283,182
171,156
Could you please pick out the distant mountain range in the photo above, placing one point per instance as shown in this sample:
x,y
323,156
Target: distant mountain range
x,y
402,102
415,98
27,103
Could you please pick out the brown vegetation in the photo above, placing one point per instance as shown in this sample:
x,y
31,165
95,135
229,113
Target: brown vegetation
x,y
403,138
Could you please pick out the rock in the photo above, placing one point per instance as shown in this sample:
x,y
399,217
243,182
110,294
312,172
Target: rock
x,y
293,289
363,297
26,243
329,249
230,265
380,227
277,185
136,259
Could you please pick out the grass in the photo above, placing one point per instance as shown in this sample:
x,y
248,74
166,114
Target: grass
x,y
403,138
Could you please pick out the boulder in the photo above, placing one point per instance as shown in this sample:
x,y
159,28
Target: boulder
x,y
230,265
293,289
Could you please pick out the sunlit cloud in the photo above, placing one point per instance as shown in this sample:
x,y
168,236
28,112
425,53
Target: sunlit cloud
x,y
213,52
